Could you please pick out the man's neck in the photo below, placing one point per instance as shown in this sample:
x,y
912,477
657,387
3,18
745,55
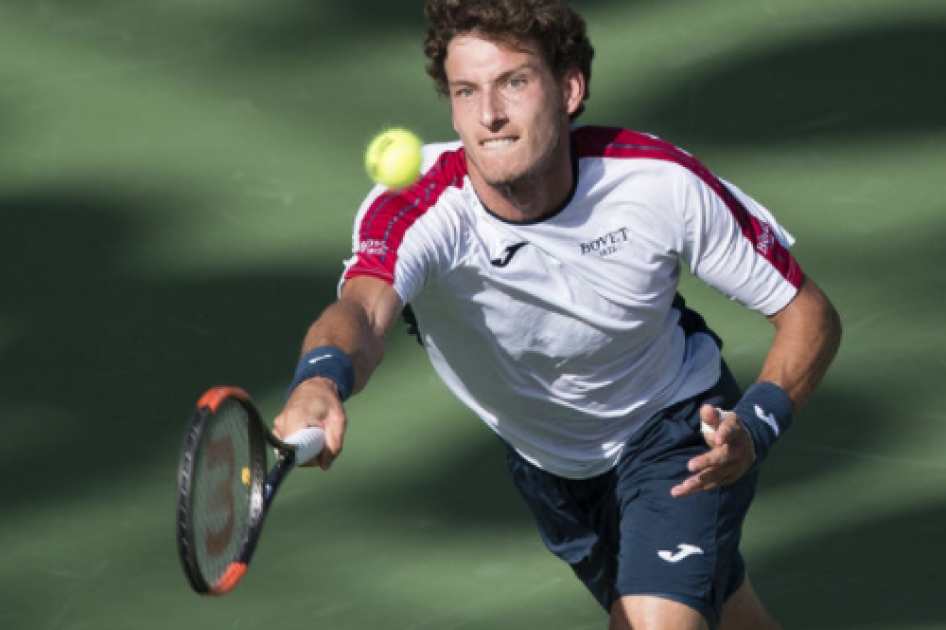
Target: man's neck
x,y
532,198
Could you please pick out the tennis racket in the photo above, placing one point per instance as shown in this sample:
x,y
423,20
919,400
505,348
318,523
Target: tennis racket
x,y
224,487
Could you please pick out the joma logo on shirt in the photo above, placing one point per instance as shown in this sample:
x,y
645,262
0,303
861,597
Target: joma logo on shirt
x,y
605,245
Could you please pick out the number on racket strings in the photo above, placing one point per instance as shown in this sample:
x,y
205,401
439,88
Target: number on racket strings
x,y
224,489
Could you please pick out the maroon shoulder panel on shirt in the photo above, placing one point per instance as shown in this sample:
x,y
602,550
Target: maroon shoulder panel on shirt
x,y
613,142
392,214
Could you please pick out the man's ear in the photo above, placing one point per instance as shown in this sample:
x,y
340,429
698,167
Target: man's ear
x,y
573,89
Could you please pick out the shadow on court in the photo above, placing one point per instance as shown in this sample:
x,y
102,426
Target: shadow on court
x,y
880,573
100,366
876,81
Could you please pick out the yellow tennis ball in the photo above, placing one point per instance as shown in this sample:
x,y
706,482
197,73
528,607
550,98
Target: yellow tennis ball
x,y
393,158
246,475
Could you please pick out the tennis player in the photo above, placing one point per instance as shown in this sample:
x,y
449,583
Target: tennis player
x,y
540,262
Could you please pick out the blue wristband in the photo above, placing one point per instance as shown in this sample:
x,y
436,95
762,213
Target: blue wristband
x,y
329,362
766,412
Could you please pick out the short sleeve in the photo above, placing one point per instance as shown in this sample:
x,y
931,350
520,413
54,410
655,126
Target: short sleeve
x,y
735,245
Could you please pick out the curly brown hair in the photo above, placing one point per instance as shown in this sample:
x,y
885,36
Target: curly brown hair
x,y
558,31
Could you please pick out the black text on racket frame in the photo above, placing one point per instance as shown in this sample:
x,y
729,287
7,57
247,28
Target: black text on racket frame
x,y
224,490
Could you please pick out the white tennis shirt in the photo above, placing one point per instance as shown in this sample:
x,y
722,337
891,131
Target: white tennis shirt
x,y
559,334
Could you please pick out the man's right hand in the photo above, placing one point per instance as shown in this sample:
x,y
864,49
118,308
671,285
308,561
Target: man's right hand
x,y
315,403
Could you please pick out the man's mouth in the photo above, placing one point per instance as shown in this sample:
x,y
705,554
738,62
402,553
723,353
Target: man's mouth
x,y
497,143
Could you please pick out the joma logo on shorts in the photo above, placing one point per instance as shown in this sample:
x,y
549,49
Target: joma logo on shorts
x,y
683,550
607,244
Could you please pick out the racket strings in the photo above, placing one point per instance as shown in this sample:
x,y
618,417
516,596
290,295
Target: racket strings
x,y
222,489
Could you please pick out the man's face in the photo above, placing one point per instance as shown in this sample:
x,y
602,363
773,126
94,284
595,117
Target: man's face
x,y
508,109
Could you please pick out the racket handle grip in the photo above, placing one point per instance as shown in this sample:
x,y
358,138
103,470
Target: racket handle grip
x,y
308,443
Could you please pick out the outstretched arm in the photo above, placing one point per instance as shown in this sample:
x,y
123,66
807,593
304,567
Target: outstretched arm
x,y
356,324
807,337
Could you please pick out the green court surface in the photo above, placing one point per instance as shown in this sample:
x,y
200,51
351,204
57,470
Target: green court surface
x,y
177,185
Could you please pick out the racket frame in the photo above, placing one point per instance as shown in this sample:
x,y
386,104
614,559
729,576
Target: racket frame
x,y
263,487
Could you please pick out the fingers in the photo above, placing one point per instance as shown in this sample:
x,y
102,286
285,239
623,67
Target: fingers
x,y
334,426
730,455
315,403
692,485
710,419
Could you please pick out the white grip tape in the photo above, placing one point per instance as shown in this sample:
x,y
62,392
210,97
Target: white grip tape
x,y
308,443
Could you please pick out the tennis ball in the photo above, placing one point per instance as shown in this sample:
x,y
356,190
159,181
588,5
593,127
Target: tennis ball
x,y
393,158
246,475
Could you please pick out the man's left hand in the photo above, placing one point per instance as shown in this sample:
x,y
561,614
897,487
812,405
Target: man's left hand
x,y
731,453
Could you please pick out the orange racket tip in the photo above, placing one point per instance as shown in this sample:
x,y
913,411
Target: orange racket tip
x,y
230,578
214,396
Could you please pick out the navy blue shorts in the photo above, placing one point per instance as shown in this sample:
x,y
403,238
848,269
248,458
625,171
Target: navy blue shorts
x,y
622,532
